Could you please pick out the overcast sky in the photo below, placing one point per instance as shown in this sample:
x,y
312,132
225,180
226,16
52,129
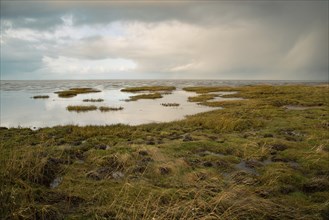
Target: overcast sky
x,y
164,40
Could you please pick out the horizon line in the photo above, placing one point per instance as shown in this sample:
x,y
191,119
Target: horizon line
x,y
309,80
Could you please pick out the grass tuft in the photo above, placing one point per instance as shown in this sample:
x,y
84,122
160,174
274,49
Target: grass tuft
x,y
75,91
201,98
170,104
81,108
93,100
106,109
145,96
41,97
149,89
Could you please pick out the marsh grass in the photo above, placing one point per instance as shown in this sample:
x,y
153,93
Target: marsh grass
x,y
205,89
201,98
81,108
75,91
93,100
107,109
41,97
149,89
170,104
145,96
179,170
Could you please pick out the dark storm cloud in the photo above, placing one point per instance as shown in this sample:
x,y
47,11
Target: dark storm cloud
x,y
237,39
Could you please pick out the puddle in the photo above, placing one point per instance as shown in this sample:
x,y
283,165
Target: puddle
x,y
242,166
268,161
221,98
292,164
223,93
55,183
217,99
204,153
52,112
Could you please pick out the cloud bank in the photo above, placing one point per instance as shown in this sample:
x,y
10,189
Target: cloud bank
x,y
183,40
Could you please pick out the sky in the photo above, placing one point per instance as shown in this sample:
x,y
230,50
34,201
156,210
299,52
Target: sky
x,y
237,40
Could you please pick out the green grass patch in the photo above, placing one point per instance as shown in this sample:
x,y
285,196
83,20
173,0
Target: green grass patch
x,y
107,109
41,97
203,89
75,91
81,108
149,89
93,100
201,98
170,104
145,96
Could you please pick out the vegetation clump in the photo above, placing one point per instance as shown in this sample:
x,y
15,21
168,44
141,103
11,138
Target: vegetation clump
x,y
251,160
93,100
149,89
206,89
145,96
41,97
81,108
201,98
106,109
170,104
75,91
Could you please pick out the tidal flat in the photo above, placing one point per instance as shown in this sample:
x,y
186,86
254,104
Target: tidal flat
x,y
250,159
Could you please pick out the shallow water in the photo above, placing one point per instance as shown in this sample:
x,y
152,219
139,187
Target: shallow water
x,y
19,109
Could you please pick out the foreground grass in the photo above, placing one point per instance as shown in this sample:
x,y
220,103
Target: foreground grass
x,y
254,159
75,91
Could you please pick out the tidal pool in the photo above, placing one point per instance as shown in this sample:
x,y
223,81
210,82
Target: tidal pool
x,y
19,109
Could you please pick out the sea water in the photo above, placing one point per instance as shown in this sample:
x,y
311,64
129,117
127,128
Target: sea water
x,y
19,109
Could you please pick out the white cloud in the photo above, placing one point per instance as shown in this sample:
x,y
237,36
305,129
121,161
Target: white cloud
x,y
211,40
29,20
67,20
179,47
66,65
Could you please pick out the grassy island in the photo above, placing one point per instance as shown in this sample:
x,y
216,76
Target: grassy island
x,y
145,96
254,159
41,97
170,104
107,109
93,100
75,91
149,89
81,108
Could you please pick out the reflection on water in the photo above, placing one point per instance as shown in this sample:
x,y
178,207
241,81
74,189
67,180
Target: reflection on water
x,y
221,98
19,109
